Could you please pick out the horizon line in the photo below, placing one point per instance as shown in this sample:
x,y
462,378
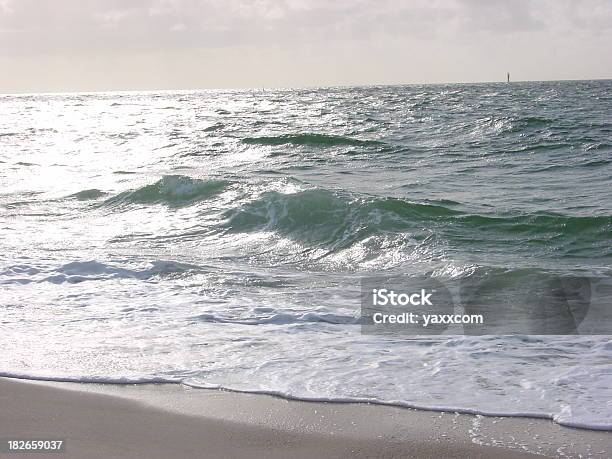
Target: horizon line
x,y
289,88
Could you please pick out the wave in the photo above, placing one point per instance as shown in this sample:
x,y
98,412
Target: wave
x,y
534,121
321,217
214,127
340,218
596,163
80,271
541,224
277,317
87,195
310,139
311,208
175,190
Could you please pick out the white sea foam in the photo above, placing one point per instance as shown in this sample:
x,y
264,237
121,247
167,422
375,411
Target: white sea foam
x,y
252,343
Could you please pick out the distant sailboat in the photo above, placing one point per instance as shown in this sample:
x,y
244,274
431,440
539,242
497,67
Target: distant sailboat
x,y
508,75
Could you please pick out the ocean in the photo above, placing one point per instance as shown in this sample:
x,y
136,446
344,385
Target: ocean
x,y
219,239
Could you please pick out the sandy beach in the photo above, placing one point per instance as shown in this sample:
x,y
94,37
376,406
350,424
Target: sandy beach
x,y
161,421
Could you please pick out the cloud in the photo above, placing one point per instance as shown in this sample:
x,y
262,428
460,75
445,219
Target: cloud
x,y
30,26
341,41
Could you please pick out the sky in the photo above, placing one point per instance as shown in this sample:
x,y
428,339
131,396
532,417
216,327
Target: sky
x,y
95,45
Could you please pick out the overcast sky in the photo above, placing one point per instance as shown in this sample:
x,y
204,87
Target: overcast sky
x,y
71,45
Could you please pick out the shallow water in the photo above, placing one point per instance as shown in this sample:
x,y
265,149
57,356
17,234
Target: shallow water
x,y
218,238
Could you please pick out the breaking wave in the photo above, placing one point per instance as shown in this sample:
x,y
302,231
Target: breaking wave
x,y
318,140
174,190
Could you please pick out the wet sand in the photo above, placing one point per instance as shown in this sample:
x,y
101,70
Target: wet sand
x,y
164,420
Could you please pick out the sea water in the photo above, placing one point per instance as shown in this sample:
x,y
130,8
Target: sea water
x,y
219,238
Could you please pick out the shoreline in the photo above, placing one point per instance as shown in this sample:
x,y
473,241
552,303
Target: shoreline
x,y
102,386
173,420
